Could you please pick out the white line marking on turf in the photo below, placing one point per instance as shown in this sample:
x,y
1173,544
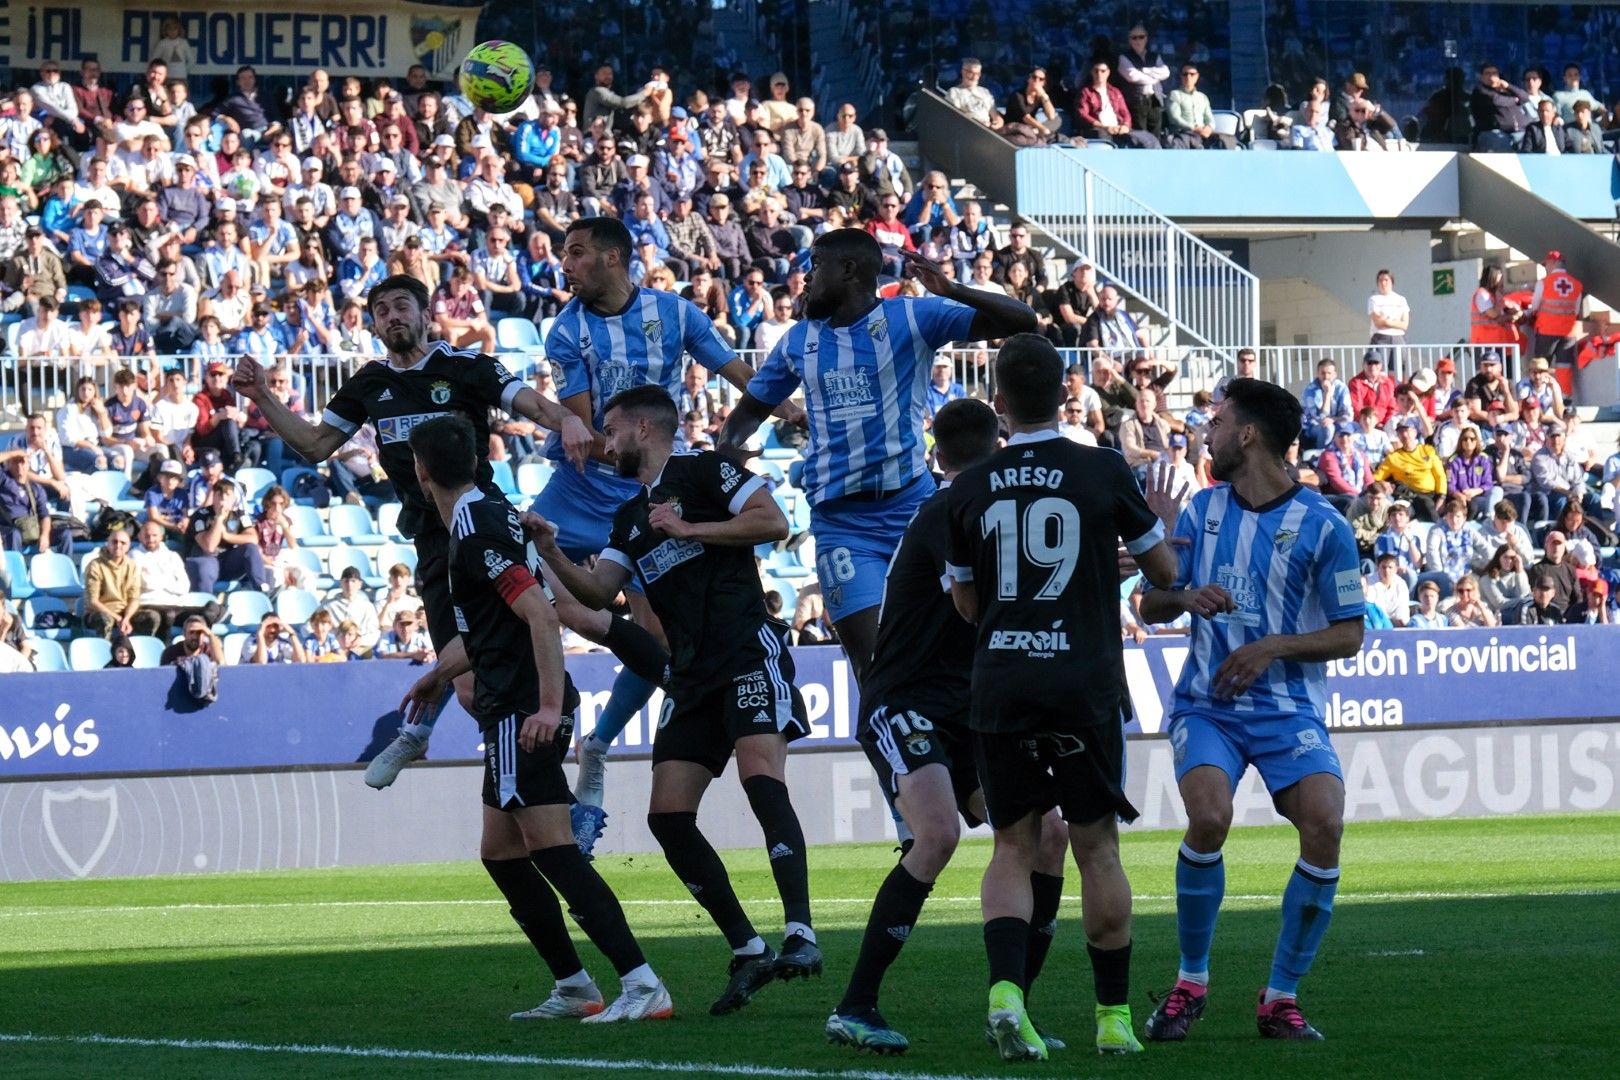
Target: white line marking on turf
x,y
387,1053
1342,898
1397,952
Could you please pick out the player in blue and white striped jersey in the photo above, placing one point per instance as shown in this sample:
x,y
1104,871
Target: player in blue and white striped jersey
x,y
611,337
1270,572
864,364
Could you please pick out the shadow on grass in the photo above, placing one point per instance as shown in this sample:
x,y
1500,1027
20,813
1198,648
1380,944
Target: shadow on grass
x,y
1411,989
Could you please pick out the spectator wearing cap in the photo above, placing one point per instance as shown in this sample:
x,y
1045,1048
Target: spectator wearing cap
x,y
1371,387
690,239
221,545
678,170
1326,407
1343,468
25,508
1415,469
1556,474
32,275
181,204
260,339
406,639
219,418
778,107
942,387
322,199
167,501
639,181
352,223
1541,385
882,170
891,234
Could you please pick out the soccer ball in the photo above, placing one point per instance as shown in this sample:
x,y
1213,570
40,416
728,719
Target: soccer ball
x,y
496,76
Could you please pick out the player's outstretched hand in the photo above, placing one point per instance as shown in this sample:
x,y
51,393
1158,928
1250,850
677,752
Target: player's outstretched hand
x,y
924,270
1241,668
577,440
422,698
1165,494
539,729
249,379
666,518
794,413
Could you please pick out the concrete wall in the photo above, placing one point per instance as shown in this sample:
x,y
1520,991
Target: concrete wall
x,y
1314,287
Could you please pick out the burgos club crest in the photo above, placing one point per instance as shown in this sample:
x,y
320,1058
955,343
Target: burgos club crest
x,y
440,392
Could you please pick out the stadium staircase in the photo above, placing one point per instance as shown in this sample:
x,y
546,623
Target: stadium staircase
x,y
737,28
1197,297
1251,57
845,71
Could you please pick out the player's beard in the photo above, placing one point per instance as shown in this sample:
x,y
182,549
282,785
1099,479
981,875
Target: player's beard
x,y
1224,460
819,307
403,340
628,461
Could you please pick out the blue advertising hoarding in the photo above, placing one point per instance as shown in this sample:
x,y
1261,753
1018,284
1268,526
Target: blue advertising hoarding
x,y
134,722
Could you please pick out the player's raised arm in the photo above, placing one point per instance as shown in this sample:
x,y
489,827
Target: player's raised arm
x,y
571,421
996,315
314,442
596,587
759,521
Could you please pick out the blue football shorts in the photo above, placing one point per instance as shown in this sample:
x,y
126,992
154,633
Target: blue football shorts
x,y
1285,750
855,539
582,506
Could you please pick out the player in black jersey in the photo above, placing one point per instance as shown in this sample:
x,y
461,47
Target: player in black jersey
x,y
1033,557
914,729
689,538
418,381
508,640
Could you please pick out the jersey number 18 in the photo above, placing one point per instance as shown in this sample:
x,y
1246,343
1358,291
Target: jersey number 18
x,y
1050,538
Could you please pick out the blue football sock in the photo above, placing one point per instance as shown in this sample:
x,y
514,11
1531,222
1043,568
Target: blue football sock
x,y
1307,908
630,693
424,726
1200,887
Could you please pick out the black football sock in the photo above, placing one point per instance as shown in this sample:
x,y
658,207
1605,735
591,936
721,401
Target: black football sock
x,y
694,861
535,909
1111,972
592,902
784,842
895,909
1048,892
639,650
1006,943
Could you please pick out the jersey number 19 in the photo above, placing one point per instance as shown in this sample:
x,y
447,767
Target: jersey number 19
x,y
1050,538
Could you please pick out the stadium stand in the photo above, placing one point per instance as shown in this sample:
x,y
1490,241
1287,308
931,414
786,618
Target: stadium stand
x,y
209,272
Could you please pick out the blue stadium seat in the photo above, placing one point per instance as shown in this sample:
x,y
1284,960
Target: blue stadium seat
x,y
231,647
532,478
49,655
55,575
388,520
310,561
85,559
344,556
253,481
290,476
789,594
353,525
59,610
503,477
244,608
308,527
513,333
148,650
17,573
795,473
296,605
89,653
112,487
769,469
391,554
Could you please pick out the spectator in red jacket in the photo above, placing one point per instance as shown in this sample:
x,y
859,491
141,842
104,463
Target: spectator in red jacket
x,y
219,418
1101,112
891,234
1373,389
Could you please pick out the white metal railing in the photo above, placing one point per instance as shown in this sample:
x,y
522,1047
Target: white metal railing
x,y
1207,300
1294,366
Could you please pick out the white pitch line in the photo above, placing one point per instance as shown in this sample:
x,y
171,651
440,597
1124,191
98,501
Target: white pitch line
x,y
391,1054
1342,898
1397,952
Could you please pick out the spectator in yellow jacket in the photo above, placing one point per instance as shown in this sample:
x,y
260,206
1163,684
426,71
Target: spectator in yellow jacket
x,y
1415,469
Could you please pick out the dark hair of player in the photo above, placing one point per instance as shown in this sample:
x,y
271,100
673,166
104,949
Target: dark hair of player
x,y
446,447
1272,410
648,402
399,283
965,434
606,233
1029,379
855,245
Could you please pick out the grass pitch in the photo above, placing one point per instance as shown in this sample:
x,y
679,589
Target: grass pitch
x,y
1479,948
